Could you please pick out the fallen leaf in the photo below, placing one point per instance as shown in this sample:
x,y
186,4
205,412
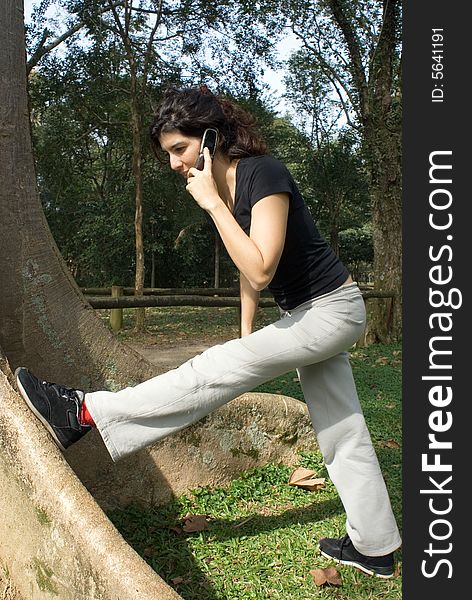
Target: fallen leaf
x,y
383,360
149,551
329,575
391,444
303,478
300,474
319,576
332,576
311,484
193,523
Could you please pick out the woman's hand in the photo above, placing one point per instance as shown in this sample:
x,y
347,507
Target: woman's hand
x,y
202,186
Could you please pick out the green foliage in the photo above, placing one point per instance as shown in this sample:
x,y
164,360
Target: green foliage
x,y
82,149
83,143
357,251
308,90
332,179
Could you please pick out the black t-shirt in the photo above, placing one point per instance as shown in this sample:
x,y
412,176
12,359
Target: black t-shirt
x,y
308,267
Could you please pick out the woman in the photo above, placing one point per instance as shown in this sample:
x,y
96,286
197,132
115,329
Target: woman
x,y
272,239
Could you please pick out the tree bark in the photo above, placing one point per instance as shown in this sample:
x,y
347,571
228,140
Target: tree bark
x,y
386,191
382,139
216,282
136,124
379,108
46,324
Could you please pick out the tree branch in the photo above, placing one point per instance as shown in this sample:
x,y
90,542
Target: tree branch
x,y
333,76
122,32
42,49
338,11
148,53
183,232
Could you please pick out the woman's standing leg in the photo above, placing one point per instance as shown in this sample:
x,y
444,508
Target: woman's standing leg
x,y
331,396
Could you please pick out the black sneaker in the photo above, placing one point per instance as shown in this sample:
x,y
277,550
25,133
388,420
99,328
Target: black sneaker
x,y
343,552
56,406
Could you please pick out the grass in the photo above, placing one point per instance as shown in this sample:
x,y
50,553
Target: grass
x,y
169,326
262,535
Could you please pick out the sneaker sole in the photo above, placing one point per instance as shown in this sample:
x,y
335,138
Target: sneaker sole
x,y
362,568
35,412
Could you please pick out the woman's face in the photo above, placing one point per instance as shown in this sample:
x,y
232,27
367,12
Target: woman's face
x,y
182,150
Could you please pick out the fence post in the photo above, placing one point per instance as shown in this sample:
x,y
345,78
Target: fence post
x,y
116,314
362,341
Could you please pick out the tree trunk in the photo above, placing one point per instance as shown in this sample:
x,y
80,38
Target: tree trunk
x,y
136,125
386,191
379,107
153,270
46,324
382,139
335,202
217,261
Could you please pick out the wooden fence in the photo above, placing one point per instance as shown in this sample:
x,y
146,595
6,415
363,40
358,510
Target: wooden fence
x,y
116,298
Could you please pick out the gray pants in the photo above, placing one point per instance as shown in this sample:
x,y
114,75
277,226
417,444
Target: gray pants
x,y
313,338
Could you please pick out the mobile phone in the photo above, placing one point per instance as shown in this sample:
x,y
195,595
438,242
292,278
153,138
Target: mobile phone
x,y
210,141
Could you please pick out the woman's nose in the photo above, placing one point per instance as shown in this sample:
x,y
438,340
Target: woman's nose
x,y
175,163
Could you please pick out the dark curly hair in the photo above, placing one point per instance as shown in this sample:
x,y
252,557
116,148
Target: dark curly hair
x,y
192,110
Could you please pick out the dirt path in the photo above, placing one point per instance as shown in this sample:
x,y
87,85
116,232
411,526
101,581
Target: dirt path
x,y
170,357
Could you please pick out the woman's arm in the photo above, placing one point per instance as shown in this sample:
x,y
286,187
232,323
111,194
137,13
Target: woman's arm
x,y
249,301
257,255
